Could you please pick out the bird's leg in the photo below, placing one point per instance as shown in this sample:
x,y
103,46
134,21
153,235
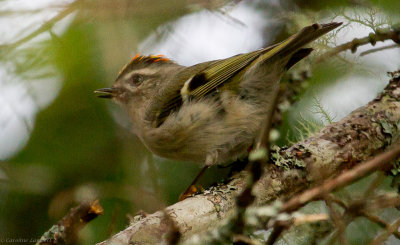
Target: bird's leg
x,y
192,189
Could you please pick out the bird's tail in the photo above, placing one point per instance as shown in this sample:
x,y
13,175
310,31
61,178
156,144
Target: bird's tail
x,y
297,41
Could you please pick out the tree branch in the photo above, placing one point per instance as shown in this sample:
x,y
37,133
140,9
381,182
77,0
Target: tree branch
x,y
65,231
380,35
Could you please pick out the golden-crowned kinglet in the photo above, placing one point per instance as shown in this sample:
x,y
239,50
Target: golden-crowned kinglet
x,y
210,112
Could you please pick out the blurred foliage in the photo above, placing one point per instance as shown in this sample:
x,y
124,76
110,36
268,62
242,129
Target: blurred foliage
x,y
80,146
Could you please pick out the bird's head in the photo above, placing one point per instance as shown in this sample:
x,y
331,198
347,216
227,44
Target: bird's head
x,y
138,81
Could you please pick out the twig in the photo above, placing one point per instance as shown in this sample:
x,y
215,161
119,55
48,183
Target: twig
x,y
345,178
377,220
45,27
65,231
337,220
361,207
280,226
263,143
380,35
337,201
275,234
375,183
379,202
310,218
258,158
263,138
380,49
385,235
245,240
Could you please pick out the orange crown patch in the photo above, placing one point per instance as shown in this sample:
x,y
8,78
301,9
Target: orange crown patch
x,y
147,59
150,58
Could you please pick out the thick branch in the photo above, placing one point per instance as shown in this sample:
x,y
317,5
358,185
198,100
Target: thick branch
x,y
341,145
66,230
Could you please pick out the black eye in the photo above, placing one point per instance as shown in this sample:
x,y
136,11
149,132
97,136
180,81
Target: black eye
x,y
136,79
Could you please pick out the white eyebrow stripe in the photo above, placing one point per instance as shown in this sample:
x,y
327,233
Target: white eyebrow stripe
x,y
144,72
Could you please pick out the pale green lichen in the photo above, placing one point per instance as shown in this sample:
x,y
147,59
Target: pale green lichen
x,y
287,160
258,155
53,234
395,171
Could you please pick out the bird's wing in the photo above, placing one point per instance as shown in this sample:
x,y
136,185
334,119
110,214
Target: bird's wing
x,y
213,75
219,72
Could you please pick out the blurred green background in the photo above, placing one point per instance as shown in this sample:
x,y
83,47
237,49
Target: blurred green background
x,y
60,145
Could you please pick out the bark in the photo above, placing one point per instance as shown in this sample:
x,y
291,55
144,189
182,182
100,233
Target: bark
x,y
341,145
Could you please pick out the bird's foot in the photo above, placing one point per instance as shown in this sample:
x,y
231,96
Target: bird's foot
x,y
190,191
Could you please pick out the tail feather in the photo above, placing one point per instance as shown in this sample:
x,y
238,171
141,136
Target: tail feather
x,y
297,56
309,34
300,39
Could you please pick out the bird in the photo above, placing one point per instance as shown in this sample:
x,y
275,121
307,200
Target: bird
x,y
209,113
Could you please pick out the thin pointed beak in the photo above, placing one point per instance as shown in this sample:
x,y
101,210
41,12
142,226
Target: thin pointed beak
x,y
107,93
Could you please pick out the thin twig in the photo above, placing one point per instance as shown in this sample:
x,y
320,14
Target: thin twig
x,y
386,234
380,35
310,218
361,207
337,201
375,183
263,138
275,234
337,220
281,225
379,202
263,142
396,45
45,27
258,158
377,220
